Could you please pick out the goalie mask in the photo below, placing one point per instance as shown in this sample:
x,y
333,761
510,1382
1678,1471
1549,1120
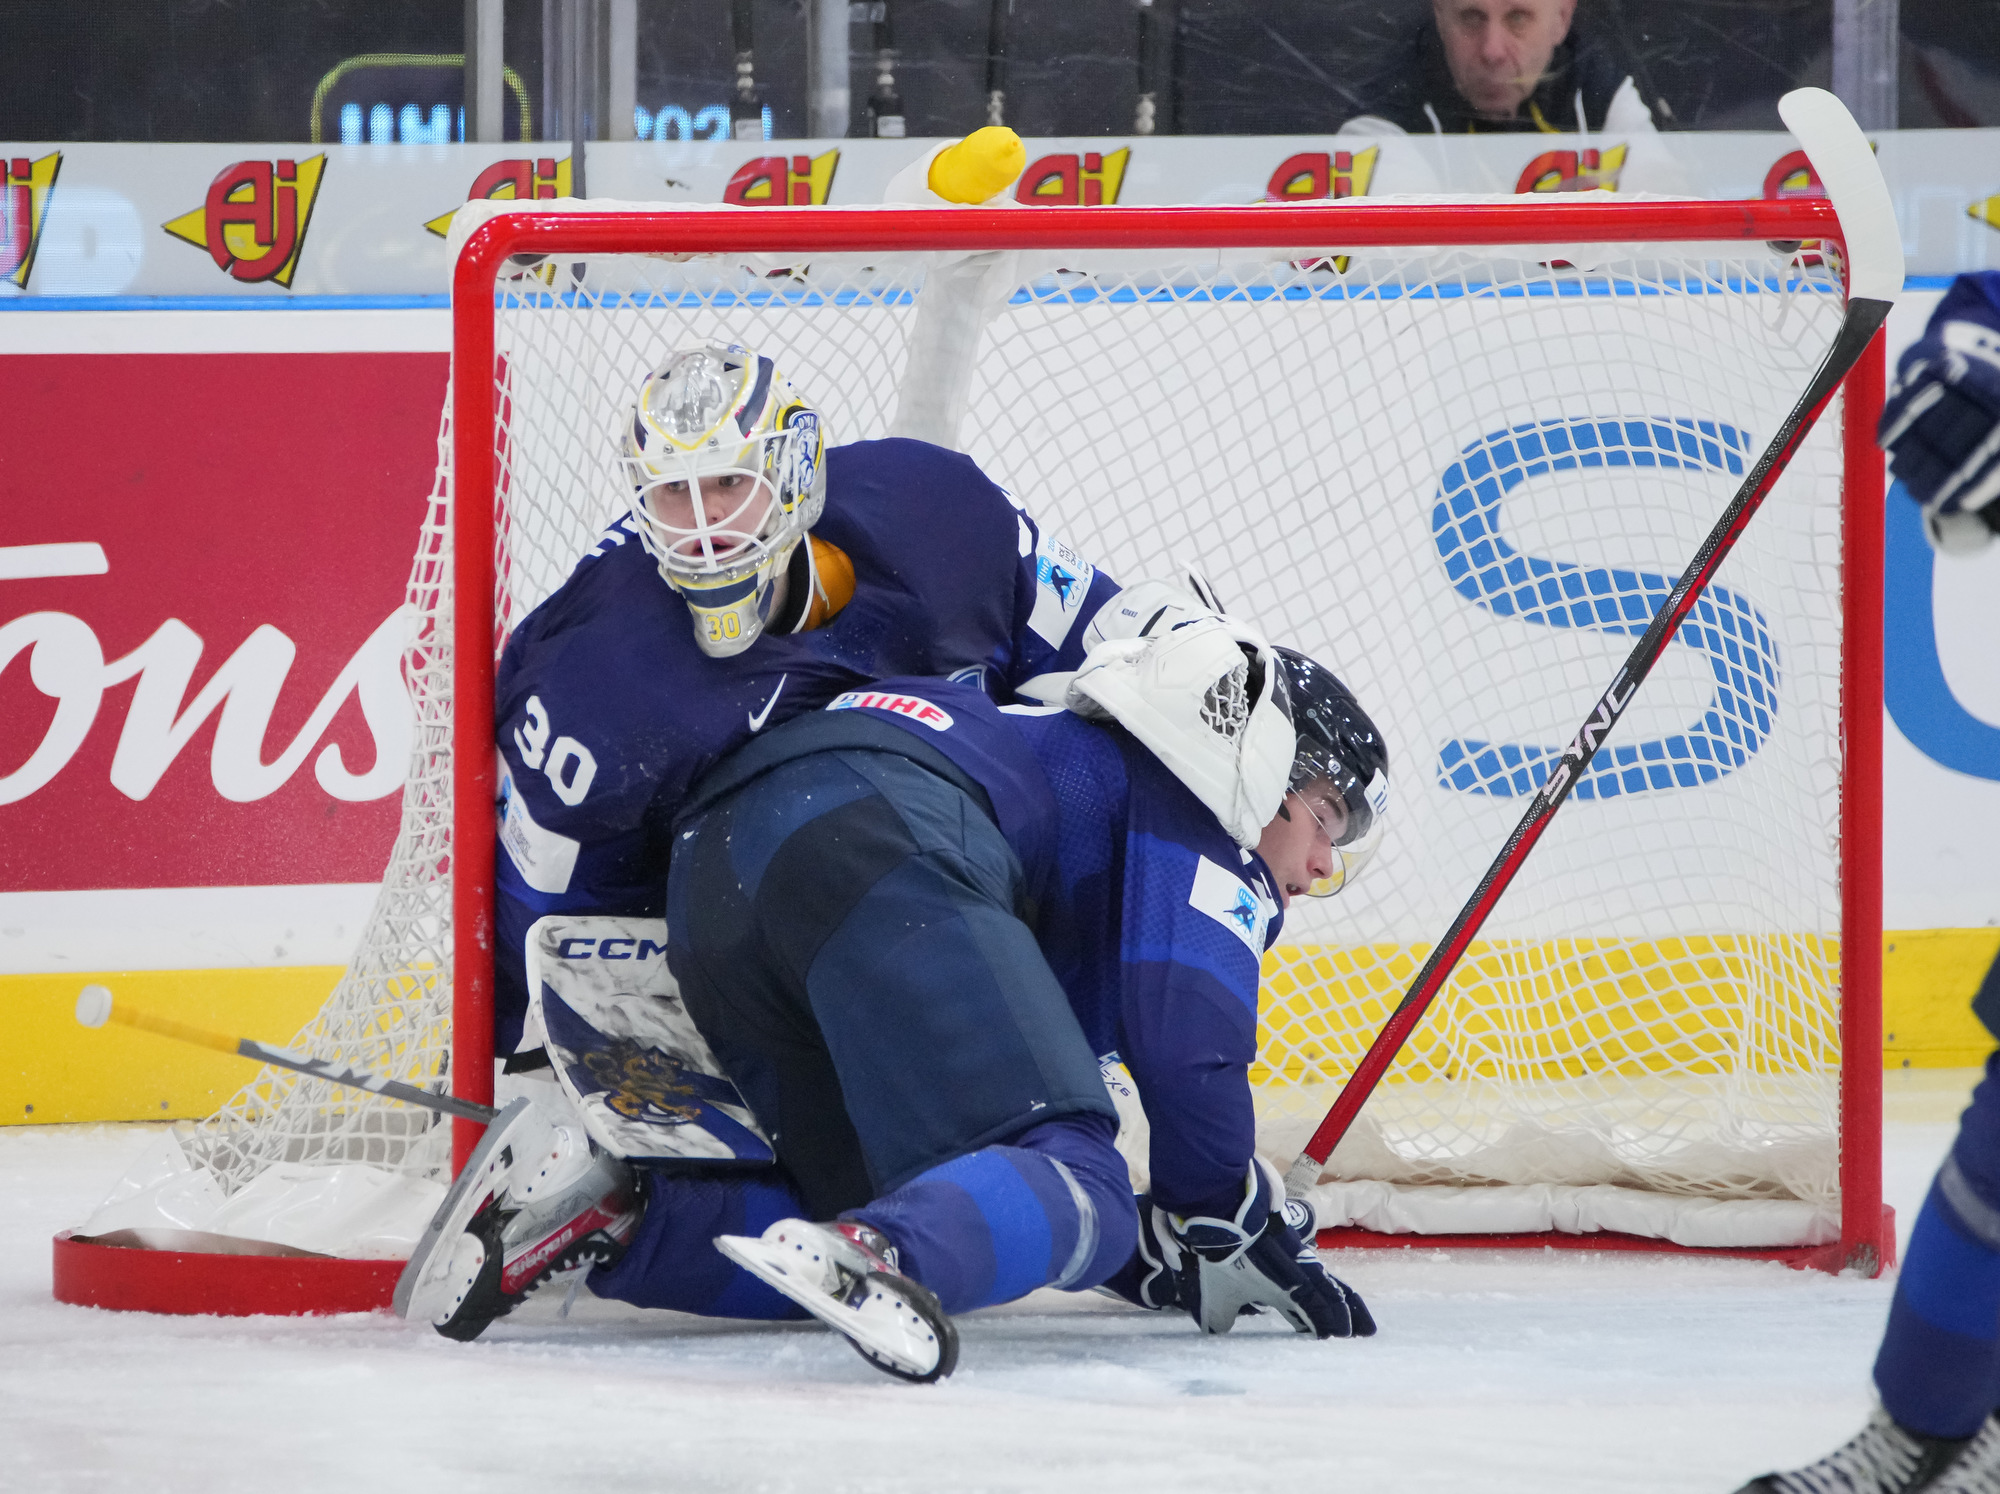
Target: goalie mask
x,y
1208,698
727,466
1339,755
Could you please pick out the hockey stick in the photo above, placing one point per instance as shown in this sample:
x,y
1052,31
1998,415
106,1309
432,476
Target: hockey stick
x,y
1840,154
94,1007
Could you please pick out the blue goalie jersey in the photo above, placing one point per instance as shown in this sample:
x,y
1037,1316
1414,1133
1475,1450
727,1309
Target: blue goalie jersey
x,y
606,709
1151,917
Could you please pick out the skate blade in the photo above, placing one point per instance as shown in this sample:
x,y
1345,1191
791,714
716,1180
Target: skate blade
x,y
884,1328
423,1290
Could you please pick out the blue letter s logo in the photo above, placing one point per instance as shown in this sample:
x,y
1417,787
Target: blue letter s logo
x,y
1485,568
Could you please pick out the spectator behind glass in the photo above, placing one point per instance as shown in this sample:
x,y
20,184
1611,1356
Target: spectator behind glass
x,y
1476,66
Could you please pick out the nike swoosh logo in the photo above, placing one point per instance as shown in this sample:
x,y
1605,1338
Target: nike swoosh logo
x,y
758,719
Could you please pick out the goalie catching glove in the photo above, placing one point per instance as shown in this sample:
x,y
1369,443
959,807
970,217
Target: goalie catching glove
x,y
1255,1260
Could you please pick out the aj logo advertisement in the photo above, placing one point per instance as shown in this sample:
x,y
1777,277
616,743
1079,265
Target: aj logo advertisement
x,y
519,180
253,223
1573,171
1091,179
782,181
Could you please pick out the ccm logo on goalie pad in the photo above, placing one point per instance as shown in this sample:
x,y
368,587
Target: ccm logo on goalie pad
x,y
610,949
1220,894
915,707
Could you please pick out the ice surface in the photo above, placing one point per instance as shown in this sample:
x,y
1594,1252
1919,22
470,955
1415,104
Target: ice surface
x,y
1494,1372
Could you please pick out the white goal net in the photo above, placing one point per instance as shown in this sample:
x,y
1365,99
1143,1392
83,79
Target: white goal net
x,y
1462,478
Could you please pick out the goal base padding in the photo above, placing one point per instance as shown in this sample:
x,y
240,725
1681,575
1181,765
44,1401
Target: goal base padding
x,y
1868,1257
125,1278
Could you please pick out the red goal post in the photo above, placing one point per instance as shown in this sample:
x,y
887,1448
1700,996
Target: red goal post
x,y
1276,231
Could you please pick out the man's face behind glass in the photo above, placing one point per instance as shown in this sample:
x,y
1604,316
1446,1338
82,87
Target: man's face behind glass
x,y
1499,49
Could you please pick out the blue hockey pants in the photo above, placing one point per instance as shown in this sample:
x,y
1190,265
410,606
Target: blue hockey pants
x,y
847,929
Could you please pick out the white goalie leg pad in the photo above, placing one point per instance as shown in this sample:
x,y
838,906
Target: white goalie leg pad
x,y
893,1322
624,1048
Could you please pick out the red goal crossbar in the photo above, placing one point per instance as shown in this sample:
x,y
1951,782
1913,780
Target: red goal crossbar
x,y
1867,1236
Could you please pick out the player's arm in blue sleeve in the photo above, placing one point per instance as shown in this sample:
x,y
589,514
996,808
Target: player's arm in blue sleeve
x,y
1195,924
1056,594
567,839
1942,416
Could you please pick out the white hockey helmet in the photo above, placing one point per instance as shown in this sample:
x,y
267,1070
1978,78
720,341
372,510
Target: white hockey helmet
x,y
1207,696
727,466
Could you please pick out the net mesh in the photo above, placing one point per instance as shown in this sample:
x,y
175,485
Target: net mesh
x,y
1462,479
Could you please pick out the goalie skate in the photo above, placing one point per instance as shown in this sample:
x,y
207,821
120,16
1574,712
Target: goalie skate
x,y
845,1275
1885,1458
534,1201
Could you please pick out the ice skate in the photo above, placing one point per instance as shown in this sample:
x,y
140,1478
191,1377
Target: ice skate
x,y
535,1200
845,1275
1885,1458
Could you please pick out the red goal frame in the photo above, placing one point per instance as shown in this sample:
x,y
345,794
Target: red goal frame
x,y
1867,1236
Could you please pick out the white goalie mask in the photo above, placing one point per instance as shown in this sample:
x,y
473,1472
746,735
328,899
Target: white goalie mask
x,y
1207,697
727,466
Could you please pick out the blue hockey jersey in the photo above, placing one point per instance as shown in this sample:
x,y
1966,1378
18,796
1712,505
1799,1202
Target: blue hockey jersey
x,y
606,709
1151,917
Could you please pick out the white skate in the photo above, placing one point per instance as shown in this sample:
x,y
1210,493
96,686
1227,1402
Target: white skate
x,y
535,1200
845,1275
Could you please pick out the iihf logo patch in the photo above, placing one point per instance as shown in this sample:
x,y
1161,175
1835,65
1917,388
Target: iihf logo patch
x,y
1062,582
1058,579
1245,911
1220,894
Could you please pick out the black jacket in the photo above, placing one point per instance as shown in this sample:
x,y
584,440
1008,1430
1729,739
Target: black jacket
x,y
1424,77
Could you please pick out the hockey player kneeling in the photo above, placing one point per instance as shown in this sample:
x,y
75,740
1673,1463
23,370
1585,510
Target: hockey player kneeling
x,y
912,925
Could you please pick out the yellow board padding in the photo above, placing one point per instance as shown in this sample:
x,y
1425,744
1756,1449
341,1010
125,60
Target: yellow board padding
x,y
59,1072
1558,1009
1928,980
1572,1007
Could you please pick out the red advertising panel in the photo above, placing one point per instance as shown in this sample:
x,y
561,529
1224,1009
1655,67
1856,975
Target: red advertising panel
x,y
202,558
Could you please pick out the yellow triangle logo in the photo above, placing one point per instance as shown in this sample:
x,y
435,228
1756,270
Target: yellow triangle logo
x,y
1987,212
29,186
190,228
254,223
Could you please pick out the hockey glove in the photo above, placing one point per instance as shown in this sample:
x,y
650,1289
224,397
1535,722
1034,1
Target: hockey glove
x,y
1256,1260
1151,1278
1941,421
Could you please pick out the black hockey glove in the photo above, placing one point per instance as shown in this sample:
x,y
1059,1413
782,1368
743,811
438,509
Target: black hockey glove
x,y
1941,414
1149,1279
1256,1260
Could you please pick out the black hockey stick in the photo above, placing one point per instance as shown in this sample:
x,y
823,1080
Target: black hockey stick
x,y
1876,272
94,1007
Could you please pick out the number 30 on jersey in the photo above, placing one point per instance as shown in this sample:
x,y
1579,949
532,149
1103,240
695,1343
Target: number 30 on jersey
x,y
567,765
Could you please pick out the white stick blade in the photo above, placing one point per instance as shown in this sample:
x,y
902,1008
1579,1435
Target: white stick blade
x,y
1846,167
93,1006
